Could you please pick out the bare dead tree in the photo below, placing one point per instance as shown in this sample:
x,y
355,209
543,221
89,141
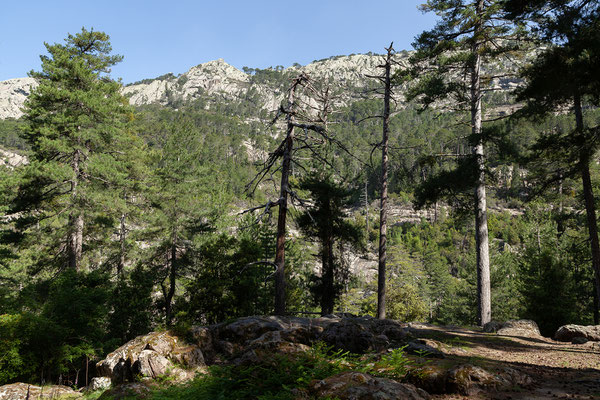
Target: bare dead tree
x,y
386,79
314,133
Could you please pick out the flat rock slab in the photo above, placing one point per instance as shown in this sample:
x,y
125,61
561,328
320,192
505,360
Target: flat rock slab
x,y
360,386
22,391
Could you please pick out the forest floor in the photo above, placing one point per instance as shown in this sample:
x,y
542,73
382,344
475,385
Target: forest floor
x,y
559,370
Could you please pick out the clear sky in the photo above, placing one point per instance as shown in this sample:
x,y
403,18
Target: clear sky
x,y
163,36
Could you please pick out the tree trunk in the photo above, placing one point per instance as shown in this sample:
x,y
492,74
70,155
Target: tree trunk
x,y
481,229
381,285
327,295
121,264
75,240
172,277
283,206
590,208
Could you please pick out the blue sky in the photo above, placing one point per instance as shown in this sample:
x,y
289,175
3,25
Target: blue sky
x,y
157,37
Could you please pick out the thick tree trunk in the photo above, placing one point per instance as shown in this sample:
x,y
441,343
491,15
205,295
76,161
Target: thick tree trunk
x,y
283,207
481,229
590,208
75,240
381,284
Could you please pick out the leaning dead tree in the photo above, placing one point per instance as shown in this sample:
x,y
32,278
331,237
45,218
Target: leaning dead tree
x,y
386,80
306,111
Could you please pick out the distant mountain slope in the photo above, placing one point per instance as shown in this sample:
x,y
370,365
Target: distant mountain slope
x,y
217,81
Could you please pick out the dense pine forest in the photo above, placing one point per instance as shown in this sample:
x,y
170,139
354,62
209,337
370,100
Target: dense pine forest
x,y
130,219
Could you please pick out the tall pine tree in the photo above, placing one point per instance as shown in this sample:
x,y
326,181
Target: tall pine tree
x,y
75,123
448,64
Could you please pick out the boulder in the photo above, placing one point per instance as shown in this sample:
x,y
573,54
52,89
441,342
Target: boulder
x,y
393,330
22,391
579,340
521,327
492,326
359,386
350,335
567,333
151,355
514,378
162,343
99,383
468,379
431,378
424,348
135,390
246,329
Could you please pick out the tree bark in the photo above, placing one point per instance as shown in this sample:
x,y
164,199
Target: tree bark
x,y
75,240
590,208
381,281
484,307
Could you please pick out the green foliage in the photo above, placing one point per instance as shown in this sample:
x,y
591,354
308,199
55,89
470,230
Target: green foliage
x,y
67,330
555,283
326,223
131,305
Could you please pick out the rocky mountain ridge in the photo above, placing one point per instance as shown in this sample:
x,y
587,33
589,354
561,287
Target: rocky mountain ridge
x,y
217,81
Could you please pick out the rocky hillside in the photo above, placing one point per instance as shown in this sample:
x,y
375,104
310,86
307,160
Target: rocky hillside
x,y
217,81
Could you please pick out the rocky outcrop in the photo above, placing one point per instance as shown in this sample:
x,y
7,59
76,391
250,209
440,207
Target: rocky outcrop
x,y
133,390
11,160
13,94
360,386
424,348
151,356
521,327
23,391
246,340
466,379
568,333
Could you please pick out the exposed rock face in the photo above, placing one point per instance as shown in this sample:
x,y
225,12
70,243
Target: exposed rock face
x,y
11,160
152,355
567,333
521,327
359,386
22,391
13,93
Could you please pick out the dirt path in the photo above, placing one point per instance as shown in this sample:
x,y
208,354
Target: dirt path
x,y
559,370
